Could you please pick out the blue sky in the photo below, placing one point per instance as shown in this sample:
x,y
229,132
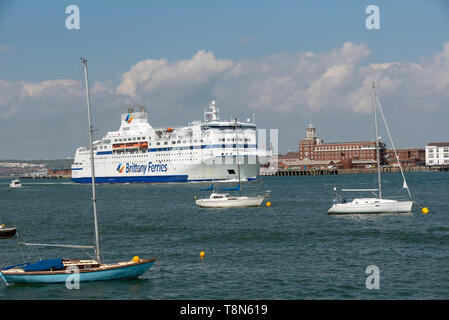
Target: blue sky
x,y
119,33
36,47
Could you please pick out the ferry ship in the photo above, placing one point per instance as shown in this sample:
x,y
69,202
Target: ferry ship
x,y
202,151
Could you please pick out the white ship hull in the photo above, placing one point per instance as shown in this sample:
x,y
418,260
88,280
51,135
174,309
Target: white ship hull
x,y
202,151
195,172
371,205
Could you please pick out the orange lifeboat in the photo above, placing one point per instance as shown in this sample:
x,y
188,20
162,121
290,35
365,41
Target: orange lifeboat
x,y
132,145
143,145
170,129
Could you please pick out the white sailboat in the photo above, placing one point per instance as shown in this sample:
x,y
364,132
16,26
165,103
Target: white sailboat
x,y
59,270
225,200
377,204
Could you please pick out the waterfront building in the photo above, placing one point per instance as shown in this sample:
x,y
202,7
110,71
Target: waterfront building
x,y
361,153
437,153
408,157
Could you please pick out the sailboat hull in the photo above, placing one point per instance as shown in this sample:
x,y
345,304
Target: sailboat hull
x,y
231,202
122,270
362,206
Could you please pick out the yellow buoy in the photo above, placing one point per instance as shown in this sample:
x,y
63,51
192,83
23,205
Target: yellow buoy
x,y
202,254
136,259
425,210
268,204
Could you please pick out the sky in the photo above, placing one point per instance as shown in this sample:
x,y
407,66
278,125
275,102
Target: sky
x,y
287,62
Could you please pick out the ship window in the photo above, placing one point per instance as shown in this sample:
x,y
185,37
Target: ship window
x,y
138,138
165,142
173,142
158,143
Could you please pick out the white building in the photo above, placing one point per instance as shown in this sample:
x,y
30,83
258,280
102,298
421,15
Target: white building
x,y
437,153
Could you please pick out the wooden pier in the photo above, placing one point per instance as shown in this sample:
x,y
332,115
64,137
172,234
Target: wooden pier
x,y
295,172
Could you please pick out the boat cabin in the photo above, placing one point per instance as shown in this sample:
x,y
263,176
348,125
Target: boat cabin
x,y
223,196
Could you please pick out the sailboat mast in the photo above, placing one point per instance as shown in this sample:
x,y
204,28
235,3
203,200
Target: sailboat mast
x,y
377,140
92,165
237,146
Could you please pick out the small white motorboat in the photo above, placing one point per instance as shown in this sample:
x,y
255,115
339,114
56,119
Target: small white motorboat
x,y
7,232
224,200
15,183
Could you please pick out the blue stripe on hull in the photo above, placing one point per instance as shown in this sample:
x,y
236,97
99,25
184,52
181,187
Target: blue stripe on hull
x,y
112,274
218,180
133,179
146,179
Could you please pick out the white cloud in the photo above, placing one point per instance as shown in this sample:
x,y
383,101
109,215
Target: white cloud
x,y
37,97
151,76
300,82
336,81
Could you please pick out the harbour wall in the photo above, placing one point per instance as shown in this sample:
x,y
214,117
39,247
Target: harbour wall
x,y
315,172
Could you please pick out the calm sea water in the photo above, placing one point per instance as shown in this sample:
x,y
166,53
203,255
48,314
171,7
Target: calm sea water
x,y
291,250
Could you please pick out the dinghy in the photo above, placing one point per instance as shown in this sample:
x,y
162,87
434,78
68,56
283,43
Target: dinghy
x,y
7,232
15,183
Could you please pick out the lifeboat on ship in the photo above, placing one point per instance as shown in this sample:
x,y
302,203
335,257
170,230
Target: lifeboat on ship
x,y
143,145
